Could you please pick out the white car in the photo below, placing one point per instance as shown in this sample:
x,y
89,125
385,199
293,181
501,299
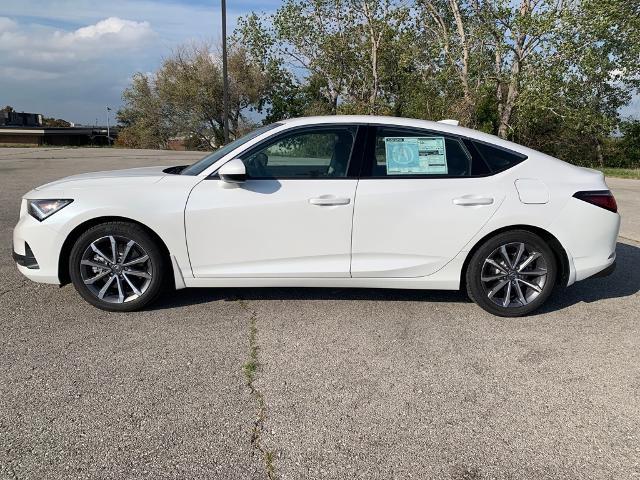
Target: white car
x,y
340,201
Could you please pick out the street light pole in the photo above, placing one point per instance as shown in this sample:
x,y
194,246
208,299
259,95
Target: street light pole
x,y
108,128
225,80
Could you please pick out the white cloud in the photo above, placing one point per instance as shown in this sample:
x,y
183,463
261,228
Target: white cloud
x,y
71,73
49,50
25,74
128,30
70,58
6,24
174,21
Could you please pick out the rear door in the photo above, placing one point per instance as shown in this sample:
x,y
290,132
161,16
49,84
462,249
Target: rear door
x,y
420,199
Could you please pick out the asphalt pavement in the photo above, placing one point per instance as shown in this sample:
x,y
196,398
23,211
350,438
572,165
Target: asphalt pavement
x,y
312,383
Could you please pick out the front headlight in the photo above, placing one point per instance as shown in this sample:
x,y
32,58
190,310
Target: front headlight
x,y
41,209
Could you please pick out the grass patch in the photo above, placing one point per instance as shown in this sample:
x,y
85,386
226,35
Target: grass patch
x,y
621,172
250,370
251,365
271,470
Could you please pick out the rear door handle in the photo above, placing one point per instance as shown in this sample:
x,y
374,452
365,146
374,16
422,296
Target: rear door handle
x,y
471,201
329,200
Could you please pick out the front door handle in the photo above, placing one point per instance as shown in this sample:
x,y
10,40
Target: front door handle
x,y
472,200
329,200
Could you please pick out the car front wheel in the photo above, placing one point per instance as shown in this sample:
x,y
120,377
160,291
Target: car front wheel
x,y
117,266
511,274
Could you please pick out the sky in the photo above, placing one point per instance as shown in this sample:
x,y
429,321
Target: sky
x,y
71,59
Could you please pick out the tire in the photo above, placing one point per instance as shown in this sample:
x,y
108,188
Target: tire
x,y
516,288
133,281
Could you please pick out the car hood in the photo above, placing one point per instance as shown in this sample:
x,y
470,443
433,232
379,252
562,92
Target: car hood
x,y
107,178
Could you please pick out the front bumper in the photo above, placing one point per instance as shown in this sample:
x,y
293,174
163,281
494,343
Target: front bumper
x,y
36,250
606,272
28,260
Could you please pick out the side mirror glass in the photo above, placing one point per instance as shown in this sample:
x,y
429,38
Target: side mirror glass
x,y
233,171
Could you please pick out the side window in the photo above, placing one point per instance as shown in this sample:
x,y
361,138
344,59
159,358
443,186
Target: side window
x,y
400,152
311,153
498,159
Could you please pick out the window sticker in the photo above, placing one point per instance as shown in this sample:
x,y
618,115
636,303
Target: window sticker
x,y
415,155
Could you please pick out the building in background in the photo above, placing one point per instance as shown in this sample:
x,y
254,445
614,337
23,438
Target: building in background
x,y
9,117
27,129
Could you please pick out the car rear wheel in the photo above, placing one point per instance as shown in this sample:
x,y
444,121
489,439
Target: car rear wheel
x,y
117,266
511,274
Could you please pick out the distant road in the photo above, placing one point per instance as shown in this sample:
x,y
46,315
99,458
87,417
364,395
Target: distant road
x,y
627,193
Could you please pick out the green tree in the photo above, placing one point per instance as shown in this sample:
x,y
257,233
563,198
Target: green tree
x,y
551,74
55,122
313,41
337,56
184,98
145,119
624,150
590,72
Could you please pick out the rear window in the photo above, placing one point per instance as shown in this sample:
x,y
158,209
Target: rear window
x,y
498,159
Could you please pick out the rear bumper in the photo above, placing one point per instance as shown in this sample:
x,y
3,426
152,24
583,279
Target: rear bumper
x,y
589,236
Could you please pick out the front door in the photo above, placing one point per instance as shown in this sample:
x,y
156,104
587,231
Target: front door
x,y
292,217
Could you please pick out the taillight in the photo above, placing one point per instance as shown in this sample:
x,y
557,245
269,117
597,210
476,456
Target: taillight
x,y
600,198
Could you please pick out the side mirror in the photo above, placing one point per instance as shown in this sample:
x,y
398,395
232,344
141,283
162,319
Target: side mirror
x,y
233,171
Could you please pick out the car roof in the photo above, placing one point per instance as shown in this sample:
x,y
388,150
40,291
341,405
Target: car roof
x,y
409,122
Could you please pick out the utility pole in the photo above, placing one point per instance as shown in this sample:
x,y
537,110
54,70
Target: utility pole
x,y
225,80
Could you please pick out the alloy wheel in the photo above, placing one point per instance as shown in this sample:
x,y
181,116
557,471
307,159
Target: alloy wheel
x,y
116,269
514,275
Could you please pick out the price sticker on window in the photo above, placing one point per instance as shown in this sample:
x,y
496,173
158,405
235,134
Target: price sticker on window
x,y
415,155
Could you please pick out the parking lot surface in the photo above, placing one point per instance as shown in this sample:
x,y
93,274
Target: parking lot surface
x,y
348,384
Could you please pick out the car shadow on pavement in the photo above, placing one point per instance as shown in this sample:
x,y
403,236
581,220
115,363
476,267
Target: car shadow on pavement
x,y
192,296
623,282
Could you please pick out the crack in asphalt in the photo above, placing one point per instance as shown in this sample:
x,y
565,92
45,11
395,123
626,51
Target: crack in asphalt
x,y
250,368
23,283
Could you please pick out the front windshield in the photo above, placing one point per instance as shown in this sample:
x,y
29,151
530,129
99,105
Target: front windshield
x,y
210,159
